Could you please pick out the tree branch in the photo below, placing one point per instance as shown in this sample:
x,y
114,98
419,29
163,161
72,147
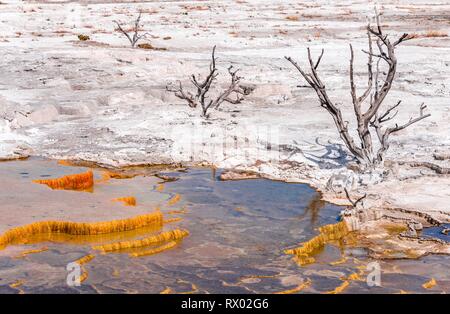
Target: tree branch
x,y
354,203
203,88
136,36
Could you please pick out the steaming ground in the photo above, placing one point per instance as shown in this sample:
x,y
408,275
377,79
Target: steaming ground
x,y
102,101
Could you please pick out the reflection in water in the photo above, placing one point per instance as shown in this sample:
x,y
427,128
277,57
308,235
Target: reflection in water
x,y
168,236
173,200
327,234
89,239
157,249
238,232
314,206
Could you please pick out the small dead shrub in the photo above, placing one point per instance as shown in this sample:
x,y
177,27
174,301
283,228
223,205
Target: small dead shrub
x,y
292,18
429,34
202,88
149,47
83,37
435,34
133,39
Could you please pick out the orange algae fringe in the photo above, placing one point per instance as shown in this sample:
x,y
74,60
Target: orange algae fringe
x,y
170,220
194,289
17,234
430,284
355,276
85,259
28,252
299,288
166,291
127,201
340,288
157,250
339,262
175,199
84,275
80,181
174,235
175,212
64,162
116,175
81,261
17,283
116,273
327,233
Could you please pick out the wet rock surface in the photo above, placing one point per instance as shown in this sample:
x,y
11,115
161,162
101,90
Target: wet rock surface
x,y
238,233
103,102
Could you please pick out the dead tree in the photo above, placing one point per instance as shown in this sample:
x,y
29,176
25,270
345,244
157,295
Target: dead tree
x,y
201,98
133,39
377,90
354,203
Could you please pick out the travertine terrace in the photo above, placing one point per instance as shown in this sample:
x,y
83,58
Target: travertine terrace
x,y
100,100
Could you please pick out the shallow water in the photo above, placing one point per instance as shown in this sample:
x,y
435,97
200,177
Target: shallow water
x,y
439,232
238,231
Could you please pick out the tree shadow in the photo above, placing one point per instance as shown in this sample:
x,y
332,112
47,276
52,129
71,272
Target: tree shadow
x,y
335,155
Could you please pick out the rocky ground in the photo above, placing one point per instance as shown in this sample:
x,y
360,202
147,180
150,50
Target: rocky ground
x,y
100,100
